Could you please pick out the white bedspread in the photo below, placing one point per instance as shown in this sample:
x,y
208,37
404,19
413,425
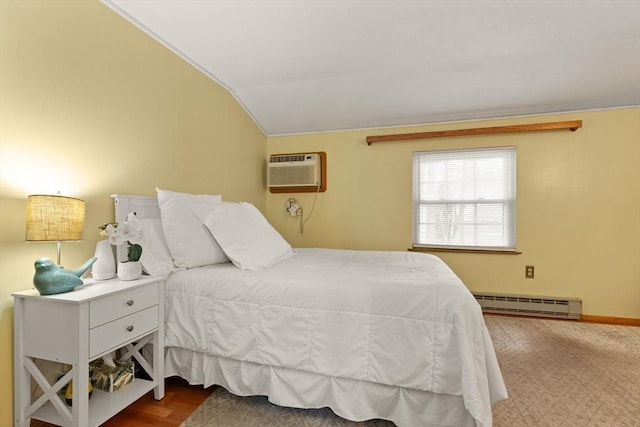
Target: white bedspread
x,y
394,318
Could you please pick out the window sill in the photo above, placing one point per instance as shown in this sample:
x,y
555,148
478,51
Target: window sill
x,y
464,250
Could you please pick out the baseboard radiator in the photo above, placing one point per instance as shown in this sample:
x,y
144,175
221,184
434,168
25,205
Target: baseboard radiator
x,y
529,305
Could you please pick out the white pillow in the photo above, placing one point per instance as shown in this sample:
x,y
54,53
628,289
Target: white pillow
x,y
156,258
245,236
189,241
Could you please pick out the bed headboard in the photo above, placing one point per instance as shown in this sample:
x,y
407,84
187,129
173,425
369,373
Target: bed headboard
x,y
143,206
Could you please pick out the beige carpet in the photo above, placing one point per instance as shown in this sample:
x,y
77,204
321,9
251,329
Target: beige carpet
x,y
558,373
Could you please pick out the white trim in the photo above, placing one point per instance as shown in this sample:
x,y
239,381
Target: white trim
x,y
469,120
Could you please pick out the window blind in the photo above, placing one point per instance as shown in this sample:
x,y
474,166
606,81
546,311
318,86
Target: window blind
x,y
465,198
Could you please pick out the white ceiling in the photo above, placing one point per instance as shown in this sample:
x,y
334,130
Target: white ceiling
x,y
317,65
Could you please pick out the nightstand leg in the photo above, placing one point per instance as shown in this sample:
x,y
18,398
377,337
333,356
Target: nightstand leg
x,y
158,345
22,395
80,407
21,389
158,366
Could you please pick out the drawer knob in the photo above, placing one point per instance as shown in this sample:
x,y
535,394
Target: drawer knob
x,y
130,328
130,302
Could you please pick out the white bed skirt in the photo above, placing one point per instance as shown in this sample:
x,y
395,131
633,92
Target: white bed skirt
x,y
351,399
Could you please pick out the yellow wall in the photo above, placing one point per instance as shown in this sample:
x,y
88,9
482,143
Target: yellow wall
x,y
90,106
578,205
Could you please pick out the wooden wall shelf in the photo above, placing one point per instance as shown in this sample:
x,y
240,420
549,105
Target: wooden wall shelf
x,y
534,127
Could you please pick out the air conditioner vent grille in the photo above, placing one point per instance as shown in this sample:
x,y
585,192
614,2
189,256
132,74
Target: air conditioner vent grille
x,y
564,308
288,158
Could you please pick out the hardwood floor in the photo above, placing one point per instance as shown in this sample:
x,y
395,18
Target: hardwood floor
x,y
180,400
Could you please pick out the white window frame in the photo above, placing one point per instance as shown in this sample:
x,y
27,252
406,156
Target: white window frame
x,y
507,202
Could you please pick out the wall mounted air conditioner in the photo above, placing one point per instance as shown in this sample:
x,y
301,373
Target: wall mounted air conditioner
x,y
294,170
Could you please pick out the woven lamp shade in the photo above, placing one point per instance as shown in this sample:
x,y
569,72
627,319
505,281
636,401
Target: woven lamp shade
x,y
54,218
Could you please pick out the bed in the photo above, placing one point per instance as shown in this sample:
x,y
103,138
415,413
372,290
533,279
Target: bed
x,y
369,334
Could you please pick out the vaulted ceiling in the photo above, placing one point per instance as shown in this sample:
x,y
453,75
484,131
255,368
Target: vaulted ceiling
x,y
319,65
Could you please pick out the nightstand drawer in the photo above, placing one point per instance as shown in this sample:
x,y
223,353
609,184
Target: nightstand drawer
x,y
122,304
120,331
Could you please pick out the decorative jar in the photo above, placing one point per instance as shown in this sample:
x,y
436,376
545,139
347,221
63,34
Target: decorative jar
x,y
105,266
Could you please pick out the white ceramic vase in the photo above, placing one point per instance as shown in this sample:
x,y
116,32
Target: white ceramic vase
x,y
129,270
105,266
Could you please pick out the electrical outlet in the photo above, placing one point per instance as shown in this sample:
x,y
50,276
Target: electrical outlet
x,y
529,271
294,208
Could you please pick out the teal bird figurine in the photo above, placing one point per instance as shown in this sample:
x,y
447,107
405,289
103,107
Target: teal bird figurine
x,y
52,279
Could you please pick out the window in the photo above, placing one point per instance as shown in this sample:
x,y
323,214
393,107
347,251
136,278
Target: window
x,y
465,199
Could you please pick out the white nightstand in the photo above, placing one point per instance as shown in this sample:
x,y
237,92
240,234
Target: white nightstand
x,y
78,327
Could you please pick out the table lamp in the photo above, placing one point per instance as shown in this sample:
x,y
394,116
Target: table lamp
x,y
54,218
